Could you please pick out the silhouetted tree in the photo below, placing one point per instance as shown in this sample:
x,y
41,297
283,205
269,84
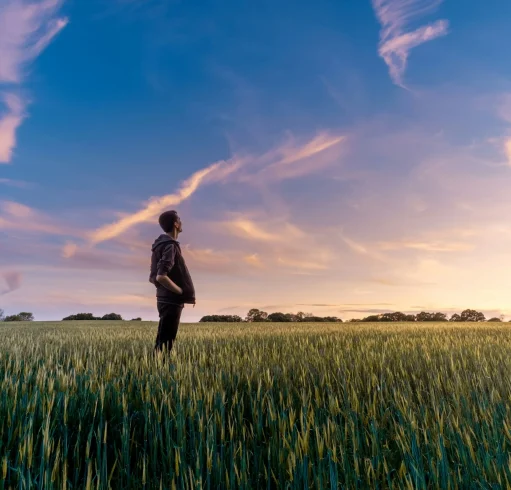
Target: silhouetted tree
x,y
221,318
439,317
26,316
472,316
255,315
455,318
136,319
279,317
494,319
111,316
371,318
424,316
80,316
300,316
397,316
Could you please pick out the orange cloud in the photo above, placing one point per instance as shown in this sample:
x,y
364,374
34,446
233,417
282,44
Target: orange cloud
x,y
237,169
246,228
253,260
157,205
206,257
273,230
428,246
69,250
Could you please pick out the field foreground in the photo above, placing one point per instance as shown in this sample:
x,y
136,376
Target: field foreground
x,y
256,406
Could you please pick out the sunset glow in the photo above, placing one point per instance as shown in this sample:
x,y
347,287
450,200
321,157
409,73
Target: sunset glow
x,y
344,158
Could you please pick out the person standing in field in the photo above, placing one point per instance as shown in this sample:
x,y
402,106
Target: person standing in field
x,y
174,286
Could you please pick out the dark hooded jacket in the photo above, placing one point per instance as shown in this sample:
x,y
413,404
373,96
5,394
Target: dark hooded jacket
x,y
167,260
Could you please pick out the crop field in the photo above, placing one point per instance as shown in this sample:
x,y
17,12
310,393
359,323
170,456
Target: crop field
x,y
256,406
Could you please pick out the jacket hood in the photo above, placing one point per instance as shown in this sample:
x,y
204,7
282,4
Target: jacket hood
x,y
162,239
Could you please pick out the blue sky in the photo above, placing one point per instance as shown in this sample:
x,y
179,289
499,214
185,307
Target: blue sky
x,y
334,157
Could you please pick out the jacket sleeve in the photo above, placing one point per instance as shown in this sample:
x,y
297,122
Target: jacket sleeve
x,y
166,262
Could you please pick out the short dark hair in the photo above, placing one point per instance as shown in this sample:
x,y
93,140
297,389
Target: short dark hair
x,y
167,220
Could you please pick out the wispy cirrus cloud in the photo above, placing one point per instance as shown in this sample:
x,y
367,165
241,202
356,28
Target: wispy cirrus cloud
x,y
26,29
10,119
21,184
16,216
429,246
278,244
156,205
247,228
280,163
294,158
395,17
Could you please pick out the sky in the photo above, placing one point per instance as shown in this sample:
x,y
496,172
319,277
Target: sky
x,y
336,158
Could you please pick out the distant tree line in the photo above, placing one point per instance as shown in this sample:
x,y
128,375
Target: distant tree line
x,y
467,315
91,317
255,315
24,316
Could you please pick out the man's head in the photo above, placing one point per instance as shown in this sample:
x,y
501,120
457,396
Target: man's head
x,y
170,222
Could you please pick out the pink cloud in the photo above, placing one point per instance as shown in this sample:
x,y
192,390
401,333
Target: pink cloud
x,y
254,260
278,163
507,150
293,159
16,216
320,143
158,204
26,29
13,280
395,43
69,249
10,120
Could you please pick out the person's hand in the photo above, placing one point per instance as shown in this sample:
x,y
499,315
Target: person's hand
x,y
180,291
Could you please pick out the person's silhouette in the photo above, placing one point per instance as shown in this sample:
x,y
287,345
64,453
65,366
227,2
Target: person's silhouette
x,y
174,286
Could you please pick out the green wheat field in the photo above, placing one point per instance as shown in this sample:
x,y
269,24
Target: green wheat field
x,y
256,406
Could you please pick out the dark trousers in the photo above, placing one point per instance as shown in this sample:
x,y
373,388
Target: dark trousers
x,y
170,315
